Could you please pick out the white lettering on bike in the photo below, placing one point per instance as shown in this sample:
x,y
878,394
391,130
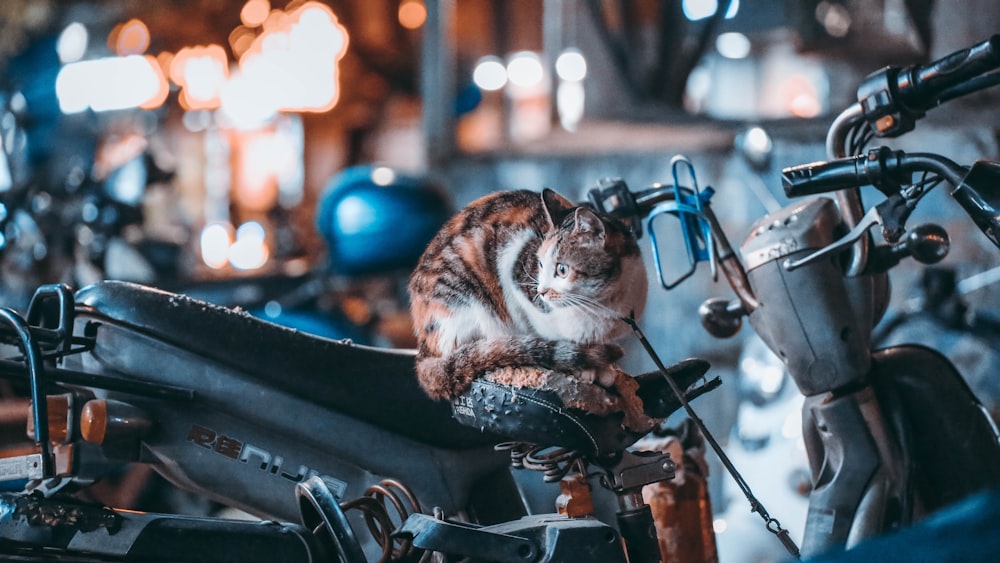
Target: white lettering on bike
x,y
240,451
463,407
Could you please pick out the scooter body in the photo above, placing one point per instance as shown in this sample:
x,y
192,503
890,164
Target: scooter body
x,y
243,411
876,424
296,430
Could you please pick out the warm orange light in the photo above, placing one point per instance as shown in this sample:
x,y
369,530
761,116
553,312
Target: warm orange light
x,y
240,39
132,38
254,12
164,59
294,62
163,89
412,14
800,97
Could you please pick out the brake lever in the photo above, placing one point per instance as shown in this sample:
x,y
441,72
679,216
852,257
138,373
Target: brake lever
x,y
869,220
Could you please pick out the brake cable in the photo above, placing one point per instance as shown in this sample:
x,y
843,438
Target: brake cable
x,y
770,523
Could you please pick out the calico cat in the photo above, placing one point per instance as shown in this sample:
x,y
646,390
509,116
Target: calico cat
x,y
522,278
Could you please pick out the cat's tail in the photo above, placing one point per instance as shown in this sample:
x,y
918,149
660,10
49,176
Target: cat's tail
x,y
449,376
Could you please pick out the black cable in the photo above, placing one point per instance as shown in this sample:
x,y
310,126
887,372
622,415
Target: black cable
x,y
770,523
970,86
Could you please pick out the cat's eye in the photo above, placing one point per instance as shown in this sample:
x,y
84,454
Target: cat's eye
x,y
562,270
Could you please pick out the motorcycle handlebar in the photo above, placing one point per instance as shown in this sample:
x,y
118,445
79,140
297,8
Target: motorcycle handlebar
x,y
975,187
921,86
882,167
612,196
893,98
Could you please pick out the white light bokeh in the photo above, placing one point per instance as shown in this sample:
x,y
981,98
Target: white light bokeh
x,y
215,241
758,141
490,74
695,10
571,65
733,45
72,43
249,251
525,70
383,176
570,98
110,83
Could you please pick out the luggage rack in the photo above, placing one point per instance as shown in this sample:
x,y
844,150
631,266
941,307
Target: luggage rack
x,y
43,335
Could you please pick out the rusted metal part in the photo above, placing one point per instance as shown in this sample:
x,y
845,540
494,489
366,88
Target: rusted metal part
x,y
40,511
682,508
575,500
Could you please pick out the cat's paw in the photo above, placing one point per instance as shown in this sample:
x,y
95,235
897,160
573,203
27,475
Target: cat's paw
x,y
602,355
587,375
441,379
605,377
578,357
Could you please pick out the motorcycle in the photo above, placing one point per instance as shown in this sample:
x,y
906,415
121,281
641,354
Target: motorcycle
x,y
325,437
876,422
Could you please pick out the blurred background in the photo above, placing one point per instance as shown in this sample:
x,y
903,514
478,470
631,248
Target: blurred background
x,y
292,158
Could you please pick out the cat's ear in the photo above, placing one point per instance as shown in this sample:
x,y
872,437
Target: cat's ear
x,y
556,206
586,221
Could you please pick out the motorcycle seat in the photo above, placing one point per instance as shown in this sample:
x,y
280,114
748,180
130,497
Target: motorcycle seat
x,y
376,385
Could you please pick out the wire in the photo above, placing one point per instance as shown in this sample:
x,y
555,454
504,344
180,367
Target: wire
x,y
969,87
770,523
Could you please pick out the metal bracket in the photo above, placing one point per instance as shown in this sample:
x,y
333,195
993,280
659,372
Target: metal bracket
x,y
636,469
451,537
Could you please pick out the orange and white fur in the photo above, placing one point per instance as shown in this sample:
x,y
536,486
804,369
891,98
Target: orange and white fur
x,y
522,278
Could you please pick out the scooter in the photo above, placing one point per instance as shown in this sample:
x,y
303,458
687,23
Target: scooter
x,y
811,280
321,438
290,427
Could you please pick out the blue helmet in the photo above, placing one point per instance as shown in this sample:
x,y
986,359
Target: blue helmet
x,y
375,219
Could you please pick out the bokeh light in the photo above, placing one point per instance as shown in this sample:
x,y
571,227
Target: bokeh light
x,y
254,12
490,74
525,69
111,83
570,65
131,38
733,45
72,43
215,241
412,14
383,176
695,10
249,250
201,72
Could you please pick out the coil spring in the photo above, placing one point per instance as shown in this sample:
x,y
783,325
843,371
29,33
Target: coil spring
x,y
374,507
553,462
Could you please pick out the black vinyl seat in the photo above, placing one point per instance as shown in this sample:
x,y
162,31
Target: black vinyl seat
x,y
376,385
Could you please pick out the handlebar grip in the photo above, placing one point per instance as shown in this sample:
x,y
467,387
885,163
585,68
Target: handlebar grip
x,y
893,98
920,86
612,196
821,177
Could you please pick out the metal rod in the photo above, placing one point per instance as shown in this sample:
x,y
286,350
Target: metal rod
x,y
36,374
15,370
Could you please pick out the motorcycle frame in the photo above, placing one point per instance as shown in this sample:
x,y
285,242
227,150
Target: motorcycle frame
x,y
866,413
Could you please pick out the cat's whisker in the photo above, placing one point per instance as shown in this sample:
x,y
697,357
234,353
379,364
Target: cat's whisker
x,y
581,305
590,304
